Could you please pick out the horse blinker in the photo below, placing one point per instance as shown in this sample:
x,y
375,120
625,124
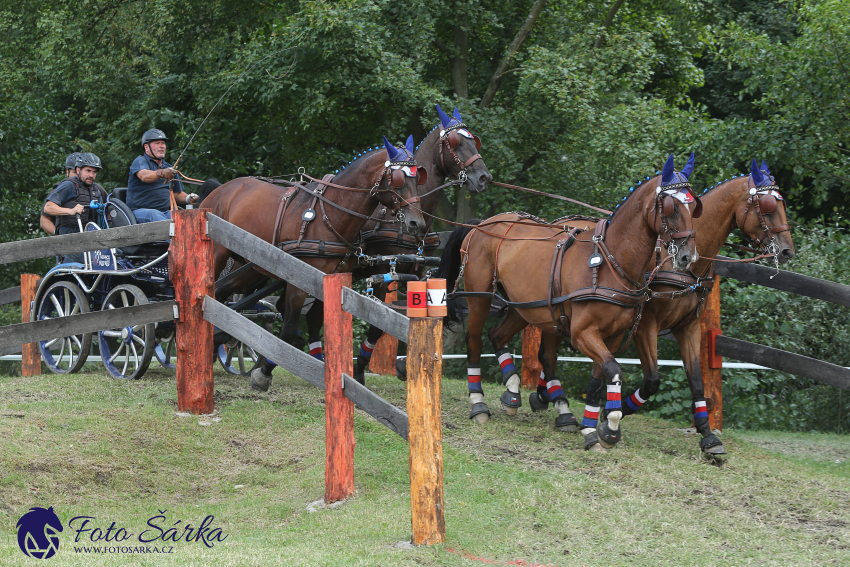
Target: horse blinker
x,y
697,208
668,206
421,175
454,139
767,204
397,180
477,142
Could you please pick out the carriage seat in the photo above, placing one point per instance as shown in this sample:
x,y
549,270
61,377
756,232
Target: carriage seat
x,y
119,214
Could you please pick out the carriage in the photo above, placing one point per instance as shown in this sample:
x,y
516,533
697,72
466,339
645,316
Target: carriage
x,y
114,278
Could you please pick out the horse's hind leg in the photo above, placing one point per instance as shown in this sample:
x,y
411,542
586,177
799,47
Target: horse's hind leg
x,y
479,308
372,336
290,305
315,322
511,324
689,341
551,389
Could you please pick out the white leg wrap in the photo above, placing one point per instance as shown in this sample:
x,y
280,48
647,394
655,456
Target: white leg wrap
x,y
587,431
562,406
476,398
513,384
614,420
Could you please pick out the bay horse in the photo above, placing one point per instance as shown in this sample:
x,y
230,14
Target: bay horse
x,y
584,295
287,217
449,150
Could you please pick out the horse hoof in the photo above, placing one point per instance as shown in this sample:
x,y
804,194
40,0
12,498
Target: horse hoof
x,y
712,445
591,443
536,403
510,402
566,422
401,369
607,436
479,412
360,376
260,381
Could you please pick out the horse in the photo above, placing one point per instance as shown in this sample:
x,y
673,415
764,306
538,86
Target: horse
x,y
284,217
750,203
590,272
450,150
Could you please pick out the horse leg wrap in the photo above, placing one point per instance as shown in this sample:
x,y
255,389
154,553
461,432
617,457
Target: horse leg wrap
x,y
510,398
363,358
316,350
591,417
591,440
473,377
633,403
479,408
401,368
565,421
700,413
259,380
539,400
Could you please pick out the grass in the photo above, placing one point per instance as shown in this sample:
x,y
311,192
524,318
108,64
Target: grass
x,y
517,492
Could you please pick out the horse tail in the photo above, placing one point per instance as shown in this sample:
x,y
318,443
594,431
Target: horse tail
x,y
205,189
450,264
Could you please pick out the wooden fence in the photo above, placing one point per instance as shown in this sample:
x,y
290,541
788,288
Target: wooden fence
x,y
196,311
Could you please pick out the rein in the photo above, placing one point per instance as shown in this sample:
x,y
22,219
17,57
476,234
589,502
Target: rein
x,y
551,195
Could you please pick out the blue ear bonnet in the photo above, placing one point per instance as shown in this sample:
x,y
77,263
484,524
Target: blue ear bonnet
x,y
760,179
447,121
401,154
766,170
669,176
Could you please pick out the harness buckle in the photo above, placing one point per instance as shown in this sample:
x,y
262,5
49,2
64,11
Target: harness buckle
x,y
461,176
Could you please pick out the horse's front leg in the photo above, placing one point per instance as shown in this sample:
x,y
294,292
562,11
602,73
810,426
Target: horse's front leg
x,y
479,308
290,305
551,390
646,341
507,327
372,336
689,342
588,341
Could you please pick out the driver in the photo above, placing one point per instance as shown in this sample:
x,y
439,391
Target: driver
x,y
48,223
148,185
71,198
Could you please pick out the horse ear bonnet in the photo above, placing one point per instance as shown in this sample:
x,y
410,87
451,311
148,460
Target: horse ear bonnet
x,y
689,167
410,146
667,172
392,152
444,119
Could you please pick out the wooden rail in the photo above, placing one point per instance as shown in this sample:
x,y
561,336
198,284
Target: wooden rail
x,y
376,313
10,295
36,248
22,333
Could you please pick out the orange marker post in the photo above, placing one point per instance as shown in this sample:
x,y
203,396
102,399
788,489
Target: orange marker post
x,y
436,288
417,305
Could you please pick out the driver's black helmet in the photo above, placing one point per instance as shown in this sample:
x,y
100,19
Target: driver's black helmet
x,y
89,160
71,160
152,136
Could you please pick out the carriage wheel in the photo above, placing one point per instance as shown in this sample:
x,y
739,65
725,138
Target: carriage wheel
x,y
126,351
165,350
64,355
238,358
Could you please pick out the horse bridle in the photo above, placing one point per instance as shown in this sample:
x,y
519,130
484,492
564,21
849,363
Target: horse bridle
x,y
451,140
665,205
764,203
396,180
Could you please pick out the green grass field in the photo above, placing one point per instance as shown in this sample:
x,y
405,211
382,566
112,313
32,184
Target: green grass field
x,y
517,492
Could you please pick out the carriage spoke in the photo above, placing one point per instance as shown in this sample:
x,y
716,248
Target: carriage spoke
x,y
59,311
241,356
50,343
135,358
124,298
61,353
140,340
76,340
117,352
67,299
112,334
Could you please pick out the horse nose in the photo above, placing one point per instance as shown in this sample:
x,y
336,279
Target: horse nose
x,y
685,260
485,178
785,254
413,226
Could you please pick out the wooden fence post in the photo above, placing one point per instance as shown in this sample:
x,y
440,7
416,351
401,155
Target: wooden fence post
x,y
710,364
385,351
425,435
531,365
30,356
339,410
190,265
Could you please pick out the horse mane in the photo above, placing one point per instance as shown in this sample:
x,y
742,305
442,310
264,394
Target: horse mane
x,y
449,268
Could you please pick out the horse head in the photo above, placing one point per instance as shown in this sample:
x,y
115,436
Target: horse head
x,y
762,218
670,215
459,152
397,188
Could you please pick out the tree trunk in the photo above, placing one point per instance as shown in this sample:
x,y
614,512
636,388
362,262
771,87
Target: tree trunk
x,y
461,40
608,21
466,205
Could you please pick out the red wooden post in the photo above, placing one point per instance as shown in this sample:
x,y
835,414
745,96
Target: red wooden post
x,y
425,433
531,365
339,410
30,357
711,371
190,264
385,351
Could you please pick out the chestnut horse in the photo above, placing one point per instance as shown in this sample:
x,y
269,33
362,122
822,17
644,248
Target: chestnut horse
x,y
322,238
583,294
751,203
